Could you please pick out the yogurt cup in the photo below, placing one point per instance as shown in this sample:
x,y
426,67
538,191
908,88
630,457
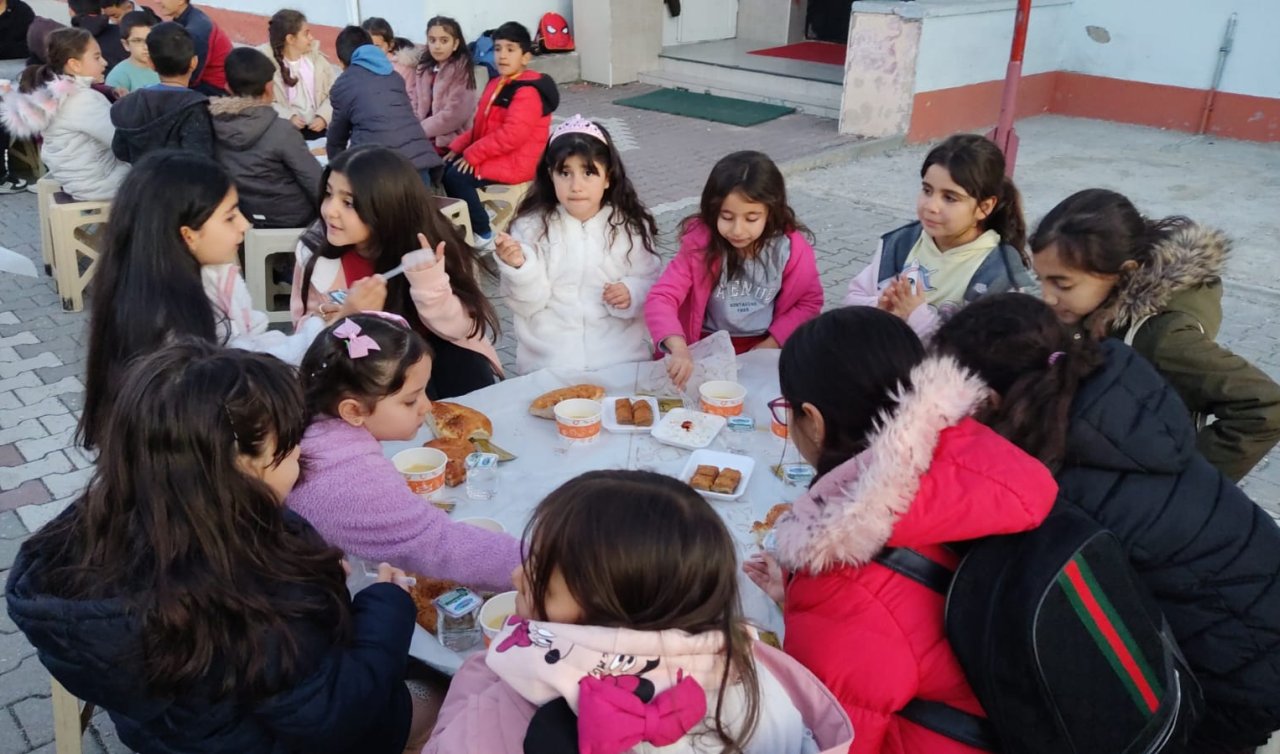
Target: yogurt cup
x,y
422,468
722,397
494,614
578,418
483,523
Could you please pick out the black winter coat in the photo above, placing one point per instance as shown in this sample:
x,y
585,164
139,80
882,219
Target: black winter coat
x,y
348,699
1210,556
276,175
374,108
161,117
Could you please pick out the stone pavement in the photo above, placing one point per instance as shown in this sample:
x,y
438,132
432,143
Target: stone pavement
x,y
846,203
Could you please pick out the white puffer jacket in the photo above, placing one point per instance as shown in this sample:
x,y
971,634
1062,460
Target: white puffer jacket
x,y
557,295
75,121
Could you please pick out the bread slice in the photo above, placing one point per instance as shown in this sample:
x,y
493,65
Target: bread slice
x,y
544,406
455,471
454,421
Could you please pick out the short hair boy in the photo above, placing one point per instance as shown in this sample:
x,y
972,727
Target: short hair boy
x,y
136,71
348,41
277,176
167,114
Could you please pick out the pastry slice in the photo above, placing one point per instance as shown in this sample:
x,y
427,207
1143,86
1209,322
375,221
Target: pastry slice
x,y
704,469
702,481
622,412
726,481
642,413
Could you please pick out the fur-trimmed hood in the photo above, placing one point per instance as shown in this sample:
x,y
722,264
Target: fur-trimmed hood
x,y
240,122
26,115
1192,256
930,475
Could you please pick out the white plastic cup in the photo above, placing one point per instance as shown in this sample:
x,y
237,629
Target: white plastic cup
x,y
422,468
578,418
722,397
494,614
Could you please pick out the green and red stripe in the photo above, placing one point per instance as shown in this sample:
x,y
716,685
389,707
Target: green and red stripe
x,y
1111,635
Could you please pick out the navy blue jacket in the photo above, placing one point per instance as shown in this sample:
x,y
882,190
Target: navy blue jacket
x,y
1210,556
371,106
347,699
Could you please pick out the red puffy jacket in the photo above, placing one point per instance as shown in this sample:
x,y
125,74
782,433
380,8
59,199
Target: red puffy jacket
x,y
509,131
930,475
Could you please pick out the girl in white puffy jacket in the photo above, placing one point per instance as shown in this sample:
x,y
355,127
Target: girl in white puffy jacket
x,y
580,258
56,101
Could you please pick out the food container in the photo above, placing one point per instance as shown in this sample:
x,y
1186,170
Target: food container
x,y
610,419
722,397
487,524
494,614
578,418
458,619
741,463
423,469
688,429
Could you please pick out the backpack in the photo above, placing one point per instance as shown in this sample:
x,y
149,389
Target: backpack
x,y
553,34
482,52
1063,647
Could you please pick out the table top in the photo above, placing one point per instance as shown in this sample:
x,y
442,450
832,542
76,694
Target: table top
x,y
544,460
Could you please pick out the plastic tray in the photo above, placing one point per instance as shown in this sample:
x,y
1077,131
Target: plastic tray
x,y
744,464
705,428
610,420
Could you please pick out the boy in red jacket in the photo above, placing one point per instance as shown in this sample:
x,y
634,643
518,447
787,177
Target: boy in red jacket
x,y
510,128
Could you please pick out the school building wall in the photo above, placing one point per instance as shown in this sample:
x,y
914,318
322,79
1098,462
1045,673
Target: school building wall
x,y
1149,62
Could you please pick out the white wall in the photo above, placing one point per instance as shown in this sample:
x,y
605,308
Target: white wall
x,y
1175,42
323,12
961,49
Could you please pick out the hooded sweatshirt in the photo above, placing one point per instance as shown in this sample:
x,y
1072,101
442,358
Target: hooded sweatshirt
x,y
930,475
554,687
371,106
75,122
162,116
1174,300
276,175
345,698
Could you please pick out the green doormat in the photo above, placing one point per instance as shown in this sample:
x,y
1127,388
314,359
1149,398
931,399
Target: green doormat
x,y
735,112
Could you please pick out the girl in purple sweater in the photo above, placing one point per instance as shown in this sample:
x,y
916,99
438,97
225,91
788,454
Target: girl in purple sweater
x,y
365,379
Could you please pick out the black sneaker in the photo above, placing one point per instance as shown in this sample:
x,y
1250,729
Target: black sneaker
x,y
13,185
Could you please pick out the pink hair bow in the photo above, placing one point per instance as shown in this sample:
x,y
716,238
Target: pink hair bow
x,y
612,719
358,345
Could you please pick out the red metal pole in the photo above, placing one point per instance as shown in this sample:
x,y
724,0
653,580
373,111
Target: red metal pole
x,y
1005,136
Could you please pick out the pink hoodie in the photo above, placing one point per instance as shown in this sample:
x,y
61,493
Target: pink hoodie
x,y
491,702
355,498
677,303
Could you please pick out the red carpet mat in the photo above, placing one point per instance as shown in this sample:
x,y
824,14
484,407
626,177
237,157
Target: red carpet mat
x,y
813,52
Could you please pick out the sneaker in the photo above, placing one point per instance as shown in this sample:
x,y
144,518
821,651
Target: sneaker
x,y
14,185
484,242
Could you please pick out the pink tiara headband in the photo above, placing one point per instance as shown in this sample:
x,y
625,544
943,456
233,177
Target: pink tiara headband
x,y
578,125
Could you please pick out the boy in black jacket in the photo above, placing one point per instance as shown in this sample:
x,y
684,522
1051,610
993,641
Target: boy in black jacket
x,y
168,114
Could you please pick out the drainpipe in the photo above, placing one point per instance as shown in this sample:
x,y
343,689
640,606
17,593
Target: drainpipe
x,y
1223,51
353,12
1004,135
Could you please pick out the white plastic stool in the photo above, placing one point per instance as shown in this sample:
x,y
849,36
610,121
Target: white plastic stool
x,y
456,211
67,220
69,720
503,200
46,188
259,247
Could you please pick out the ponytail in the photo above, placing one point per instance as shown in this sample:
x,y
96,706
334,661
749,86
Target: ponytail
x,y
1008,220
1015,344
281,25
64,45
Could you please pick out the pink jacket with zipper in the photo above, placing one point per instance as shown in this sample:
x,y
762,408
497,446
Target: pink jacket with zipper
x,y
677,303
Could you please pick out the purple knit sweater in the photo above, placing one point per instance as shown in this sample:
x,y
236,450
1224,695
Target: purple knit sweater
x,y
358,501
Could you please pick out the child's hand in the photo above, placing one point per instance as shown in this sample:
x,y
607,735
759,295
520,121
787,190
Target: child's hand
x,y
297,122
317,124
679,362
389,574
617,295
423,258
509,250
462,166
367,295
450,156
765,572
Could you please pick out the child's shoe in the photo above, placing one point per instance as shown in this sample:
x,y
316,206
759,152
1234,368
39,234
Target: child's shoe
x,y
12,184
485,242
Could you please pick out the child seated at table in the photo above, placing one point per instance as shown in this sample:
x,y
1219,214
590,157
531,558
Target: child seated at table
x,y
365,381
181,596
509,131
374,211
580,258
169,269
279,178
628,631
136,71
744,266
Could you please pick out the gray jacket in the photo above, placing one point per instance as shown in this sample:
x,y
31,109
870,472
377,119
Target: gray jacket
x,y
277,176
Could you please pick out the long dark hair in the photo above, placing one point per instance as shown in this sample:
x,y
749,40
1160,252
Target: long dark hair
x,y
977,165
1098,231
147,288
390,198
848,363
626,211
64,45
643,551
330,375
201,551
1016,344
757,178
281,25
461,56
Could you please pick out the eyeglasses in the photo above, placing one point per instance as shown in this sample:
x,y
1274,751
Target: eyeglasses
x,y
781,409
135,42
